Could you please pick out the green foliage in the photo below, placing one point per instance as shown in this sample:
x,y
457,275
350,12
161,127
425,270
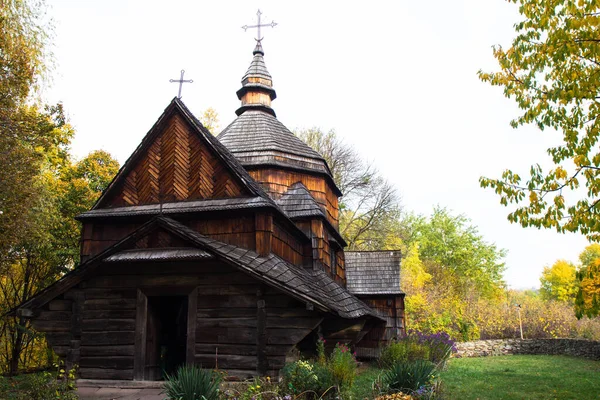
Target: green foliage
x,y
310,379
436,348
46,385
403,350
24,55
409,376
455,252
587,299
551,72
192,383
342,365
559,282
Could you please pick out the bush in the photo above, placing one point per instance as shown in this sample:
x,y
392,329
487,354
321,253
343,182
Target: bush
x,y
313,380
418,346
409,376
342,365
192,383
325,378
39,386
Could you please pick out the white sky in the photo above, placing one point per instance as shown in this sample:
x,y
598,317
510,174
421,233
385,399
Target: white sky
x,y
396,79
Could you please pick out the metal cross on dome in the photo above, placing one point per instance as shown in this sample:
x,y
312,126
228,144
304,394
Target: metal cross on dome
x,y
258,26
181,81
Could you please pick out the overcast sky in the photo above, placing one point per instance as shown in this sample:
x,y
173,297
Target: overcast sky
x,y
396,79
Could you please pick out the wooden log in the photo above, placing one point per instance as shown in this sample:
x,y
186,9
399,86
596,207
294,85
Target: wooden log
x,y
90,325
240,322
226,301
60,305
240,349
104,293
51,326
107,338
226,361
110,304
59,338
97,351
286,336
110,362
282,312
105,373
108,314
226,335
53,316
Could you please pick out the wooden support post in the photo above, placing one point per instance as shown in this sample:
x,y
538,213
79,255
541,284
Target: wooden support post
x,y
190,354
141,317
262,364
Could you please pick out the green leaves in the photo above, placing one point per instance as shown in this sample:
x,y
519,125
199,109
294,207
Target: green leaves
x,y
551,71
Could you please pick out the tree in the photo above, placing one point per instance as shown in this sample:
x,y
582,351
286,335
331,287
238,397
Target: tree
x,y
23,60
589,254
559,282
551,71
210,120
587,300
369,208
454,252
24,54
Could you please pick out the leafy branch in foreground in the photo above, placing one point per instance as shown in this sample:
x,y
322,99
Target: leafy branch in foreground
x,y
551,70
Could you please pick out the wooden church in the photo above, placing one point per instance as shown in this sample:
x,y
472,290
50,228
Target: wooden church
x,y
223,252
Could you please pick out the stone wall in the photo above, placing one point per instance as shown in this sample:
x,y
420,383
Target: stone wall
x,y
571,347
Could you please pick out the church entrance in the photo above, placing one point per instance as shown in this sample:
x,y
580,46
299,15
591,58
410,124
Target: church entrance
x,y
166,335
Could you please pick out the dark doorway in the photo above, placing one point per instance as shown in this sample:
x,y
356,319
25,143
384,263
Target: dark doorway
x,y
166,335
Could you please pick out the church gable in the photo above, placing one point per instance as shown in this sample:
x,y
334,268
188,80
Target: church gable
x,y
175,162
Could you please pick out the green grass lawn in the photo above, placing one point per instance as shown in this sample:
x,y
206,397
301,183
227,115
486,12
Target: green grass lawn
x,y
521,377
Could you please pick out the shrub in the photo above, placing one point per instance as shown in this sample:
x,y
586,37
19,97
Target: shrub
x,y
418,346
342,365
409,376
192,383
326,377
305,377
39,386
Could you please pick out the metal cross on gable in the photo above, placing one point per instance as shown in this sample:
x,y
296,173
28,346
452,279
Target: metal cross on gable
x,y
259,25
181,81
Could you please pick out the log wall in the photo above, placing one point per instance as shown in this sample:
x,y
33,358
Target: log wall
x,y
392,309
227,332
277,181
238,231
233,313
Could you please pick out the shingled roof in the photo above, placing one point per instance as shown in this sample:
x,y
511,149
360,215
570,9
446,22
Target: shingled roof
x,y
303,284
258,138
297,202
373,272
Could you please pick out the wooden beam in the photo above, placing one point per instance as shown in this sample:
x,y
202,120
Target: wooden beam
x,y
190,354
139,360
262,364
